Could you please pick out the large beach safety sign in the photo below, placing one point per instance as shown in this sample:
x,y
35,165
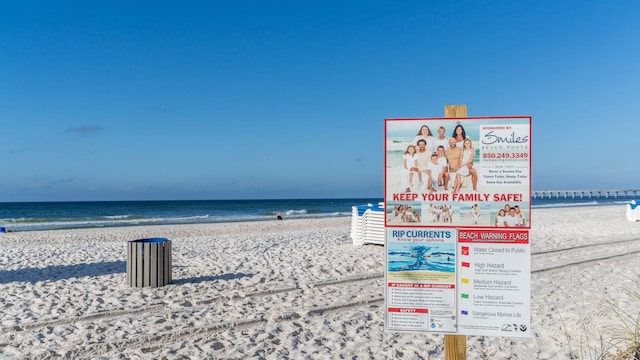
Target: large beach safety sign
x,y
457,221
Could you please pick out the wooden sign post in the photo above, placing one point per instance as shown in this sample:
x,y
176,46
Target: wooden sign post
x,y
455,346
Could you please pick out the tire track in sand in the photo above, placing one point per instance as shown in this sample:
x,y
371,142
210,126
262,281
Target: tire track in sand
x,y
161,306
280,313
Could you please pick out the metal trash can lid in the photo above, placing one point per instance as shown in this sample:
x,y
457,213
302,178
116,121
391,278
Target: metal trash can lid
x,y
150,240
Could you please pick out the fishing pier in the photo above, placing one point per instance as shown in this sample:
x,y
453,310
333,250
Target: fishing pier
x,y
581,194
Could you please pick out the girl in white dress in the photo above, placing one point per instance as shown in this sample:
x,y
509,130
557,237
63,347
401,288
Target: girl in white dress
x,y
500,218
475,214
466,167
409,168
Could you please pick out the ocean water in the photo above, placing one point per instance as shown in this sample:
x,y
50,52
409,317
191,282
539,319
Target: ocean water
x,y
558,202
31,216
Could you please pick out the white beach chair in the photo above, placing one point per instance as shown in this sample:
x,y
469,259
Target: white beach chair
x,y
367,224
633,211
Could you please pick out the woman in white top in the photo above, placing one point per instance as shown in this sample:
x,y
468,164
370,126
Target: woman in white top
x,y
425,133
460,135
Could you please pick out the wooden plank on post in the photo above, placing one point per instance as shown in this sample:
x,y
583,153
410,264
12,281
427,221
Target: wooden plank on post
x,y
455,346
454,111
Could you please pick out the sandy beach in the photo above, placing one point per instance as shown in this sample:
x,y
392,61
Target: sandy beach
x,y
293,289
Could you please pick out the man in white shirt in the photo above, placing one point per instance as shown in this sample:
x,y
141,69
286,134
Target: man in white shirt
x,y
511,220
441,140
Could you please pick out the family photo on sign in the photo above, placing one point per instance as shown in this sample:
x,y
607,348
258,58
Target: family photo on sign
x,y
444,172
438,163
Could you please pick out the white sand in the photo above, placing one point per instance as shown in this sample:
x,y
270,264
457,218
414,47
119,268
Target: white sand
x,y
287,289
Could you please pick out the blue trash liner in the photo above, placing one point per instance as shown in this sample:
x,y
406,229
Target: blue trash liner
x,y
150,240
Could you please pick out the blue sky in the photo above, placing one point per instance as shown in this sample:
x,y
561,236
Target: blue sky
x,y
107,100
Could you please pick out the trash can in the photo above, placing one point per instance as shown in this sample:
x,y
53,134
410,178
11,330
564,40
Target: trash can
x,y
149,262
